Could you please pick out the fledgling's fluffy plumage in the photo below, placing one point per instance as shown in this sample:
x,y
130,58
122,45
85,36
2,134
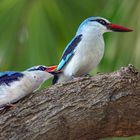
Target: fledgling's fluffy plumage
x,y
86,49
15,85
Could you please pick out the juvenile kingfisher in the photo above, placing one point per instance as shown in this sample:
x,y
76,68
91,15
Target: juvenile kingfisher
x,y
86,49
16,85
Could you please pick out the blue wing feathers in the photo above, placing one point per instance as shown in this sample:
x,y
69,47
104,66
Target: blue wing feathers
x,y
9,76
61,64
69,51
9,73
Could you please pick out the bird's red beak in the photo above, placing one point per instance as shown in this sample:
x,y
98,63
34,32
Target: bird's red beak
x,y
51,68
118,28
53,71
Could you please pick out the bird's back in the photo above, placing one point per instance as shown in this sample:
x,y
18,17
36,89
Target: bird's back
x,y
9,81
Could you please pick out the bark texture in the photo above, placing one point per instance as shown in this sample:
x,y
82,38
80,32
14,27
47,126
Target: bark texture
x,y
87,108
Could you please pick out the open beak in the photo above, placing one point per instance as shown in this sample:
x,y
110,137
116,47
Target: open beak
x,y
118,28
51,68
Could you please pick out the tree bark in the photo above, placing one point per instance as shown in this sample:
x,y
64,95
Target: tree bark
x,y
86,108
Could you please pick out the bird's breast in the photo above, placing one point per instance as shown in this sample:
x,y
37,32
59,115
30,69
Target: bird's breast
x,y
88,54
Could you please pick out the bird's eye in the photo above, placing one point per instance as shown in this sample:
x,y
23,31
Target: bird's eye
x,y
102,21
42,68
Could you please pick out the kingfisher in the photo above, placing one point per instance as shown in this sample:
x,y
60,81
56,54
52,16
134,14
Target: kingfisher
x,y
84,52
16,85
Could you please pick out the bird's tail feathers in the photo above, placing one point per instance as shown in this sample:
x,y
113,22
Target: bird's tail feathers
x,y
56,76
55,79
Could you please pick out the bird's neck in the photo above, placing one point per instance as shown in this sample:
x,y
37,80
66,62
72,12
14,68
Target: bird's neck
x,y
38,77
33,80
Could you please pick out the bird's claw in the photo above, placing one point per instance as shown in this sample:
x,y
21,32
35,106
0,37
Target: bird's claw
x,y
11,105
87,75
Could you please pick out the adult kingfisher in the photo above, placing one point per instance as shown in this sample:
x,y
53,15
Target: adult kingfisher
x,y
86,49
16,85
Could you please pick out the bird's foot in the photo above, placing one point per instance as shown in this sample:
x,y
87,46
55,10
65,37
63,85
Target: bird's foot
x,y
12,106
7,107
87,75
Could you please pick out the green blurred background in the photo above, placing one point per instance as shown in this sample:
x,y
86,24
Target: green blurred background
x,y
36,32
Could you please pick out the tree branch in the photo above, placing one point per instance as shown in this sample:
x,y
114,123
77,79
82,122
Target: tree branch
x,y
86,108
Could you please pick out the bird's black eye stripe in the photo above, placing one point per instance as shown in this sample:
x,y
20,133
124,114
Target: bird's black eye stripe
x,y
101,21
41,68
